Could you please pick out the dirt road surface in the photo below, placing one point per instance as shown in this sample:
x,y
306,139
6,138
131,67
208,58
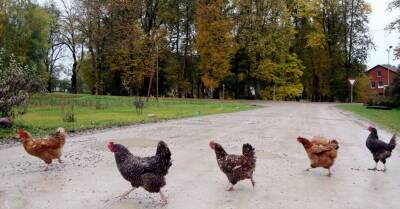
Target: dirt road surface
x,y
89,177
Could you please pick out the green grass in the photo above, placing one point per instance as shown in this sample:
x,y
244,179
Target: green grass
x,y
45,112
389,119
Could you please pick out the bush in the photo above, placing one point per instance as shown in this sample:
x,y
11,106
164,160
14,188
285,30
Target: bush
x,y
381,101
395,91
16,82
68,114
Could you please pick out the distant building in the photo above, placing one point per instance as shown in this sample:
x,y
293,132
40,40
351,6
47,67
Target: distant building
x,y
381,77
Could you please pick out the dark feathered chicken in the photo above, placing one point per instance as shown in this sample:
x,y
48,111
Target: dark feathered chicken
x,y
380,150
236,167
146,172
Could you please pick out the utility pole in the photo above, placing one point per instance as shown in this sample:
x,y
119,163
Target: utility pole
x,y
156,71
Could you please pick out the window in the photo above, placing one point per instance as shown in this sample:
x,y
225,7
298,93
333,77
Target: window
x,y
379,73
373,84
380,84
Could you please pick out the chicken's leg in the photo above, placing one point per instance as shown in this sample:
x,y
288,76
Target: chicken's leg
x,y
163,198
125,194
374,169
384,168
253,182
329,172
229,188
46,167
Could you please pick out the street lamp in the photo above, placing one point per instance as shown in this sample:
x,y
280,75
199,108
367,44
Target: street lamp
x,y
388,71
352,81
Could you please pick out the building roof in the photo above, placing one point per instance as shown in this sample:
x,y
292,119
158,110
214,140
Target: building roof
x,y
393,69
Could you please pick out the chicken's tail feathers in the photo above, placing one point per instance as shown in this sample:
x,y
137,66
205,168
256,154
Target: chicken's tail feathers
x,y
248,150
60,130
392,142
305,142
163,151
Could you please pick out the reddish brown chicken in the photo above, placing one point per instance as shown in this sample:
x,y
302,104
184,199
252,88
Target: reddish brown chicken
x,y
236,167
321,152
46,149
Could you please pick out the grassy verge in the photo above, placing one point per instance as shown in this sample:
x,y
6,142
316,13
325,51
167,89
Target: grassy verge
x,y
45,113
389,119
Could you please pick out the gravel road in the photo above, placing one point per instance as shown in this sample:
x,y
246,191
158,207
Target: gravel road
x,y
89,177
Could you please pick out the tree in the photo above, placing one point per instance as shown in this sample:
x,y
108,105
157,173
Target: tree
x,y
71,37
283,79
395,25
25,27
214,42
55,47
333,42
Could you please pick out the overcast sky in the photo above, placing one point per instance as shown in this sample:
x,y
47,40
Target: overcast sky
x,y
379,19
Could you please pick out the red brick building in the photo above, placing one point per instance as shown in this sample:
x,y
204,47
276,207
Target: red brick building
x,y
380,77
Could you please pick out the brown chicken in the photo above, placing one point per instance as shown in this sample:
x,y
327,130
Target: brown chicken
x,y
46,149
321,152
236,167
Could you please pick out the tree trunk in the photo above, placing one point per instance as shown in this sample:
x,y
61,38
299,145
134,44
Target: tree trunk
x,y
74,89
150,84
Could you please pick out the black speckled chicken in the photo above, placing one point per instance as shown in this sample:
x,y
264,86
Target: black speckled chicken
x,y
146,172
236,167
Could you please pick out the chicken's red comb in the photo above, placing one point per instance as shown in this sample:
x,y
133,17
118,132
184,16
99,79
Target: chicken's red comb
x,y
370,128
211,144
22,134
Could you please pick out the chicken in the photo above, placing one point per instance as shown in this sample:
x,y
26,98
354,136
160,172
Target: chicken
x,y
321,152
146,172
139,105
380,150
46,149
236,167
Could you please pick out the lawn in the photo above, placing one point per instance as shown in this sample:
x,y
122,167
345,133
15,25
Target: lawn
x,y
45,113
389,119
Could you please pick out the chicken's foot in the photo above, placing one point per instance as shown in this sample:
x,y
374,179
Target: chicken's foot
x,y
46,167
384,168
329,173
375,168
125,194
230,188
60,161
163,198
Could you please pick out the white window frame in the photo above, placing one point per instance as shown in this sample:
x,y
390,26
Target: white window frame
x,y
377,73
373,86
381,86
